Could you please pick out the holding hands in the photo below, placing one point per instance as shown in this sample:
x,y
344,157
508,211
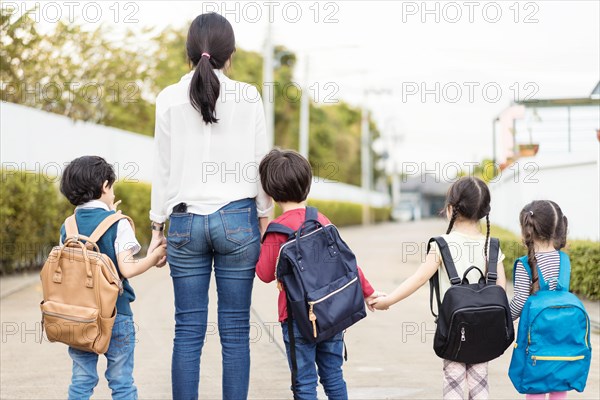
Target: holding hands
x,y
158,249
381,303
372,299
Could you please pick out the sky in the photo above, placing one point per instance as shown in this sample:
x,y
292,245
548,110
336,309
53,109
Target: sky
x,y
434,74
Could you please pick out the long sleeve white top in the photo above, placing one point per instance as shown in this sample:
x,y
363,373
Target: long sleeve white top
x,y
204,165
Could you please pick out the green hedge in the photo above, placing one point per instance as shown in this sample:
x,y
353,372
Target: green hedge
x,y
32,211
584,255
343,213
135,203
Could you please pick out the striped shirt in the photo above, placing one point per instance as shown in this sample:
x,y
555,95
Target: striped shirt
x,y
549,263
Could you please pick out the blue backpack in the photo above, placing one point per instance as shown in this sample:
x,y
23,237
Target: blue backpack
x,y
553,349
320,276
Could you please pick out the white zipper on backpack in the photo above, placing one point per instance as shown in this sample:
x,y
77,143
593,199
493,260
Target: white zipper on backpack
x,y
311,314
67,317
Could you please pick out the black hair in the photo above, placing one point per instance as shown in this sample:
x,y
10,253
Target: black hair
x,y
211,34
542,220
285,176
470,199
83,179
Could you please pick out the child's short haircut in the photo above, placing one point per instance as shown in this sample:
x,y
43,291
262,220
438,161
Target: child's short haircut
x,y
285,176
84,177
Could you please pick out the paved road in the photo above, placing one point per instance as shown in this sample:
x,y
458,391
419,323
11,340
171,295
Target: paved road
x,y
390,353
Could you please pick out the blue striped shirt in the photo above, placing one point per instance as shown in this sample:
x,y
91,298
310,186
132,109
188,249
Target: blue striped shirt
x,y
547,262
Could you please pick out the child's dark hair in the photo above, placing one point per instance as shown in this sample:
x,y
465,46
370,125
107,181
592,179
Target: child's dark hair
x,y
210,43
470,199
84,177
542,220
285,176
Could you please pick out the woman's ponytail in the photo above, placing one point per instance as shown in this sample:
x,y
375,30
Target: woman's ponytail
x,y
204,90
210,44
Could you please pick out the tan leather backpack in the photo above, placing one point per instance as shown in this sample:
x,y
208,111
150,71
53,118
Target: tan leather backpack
x,y
81,286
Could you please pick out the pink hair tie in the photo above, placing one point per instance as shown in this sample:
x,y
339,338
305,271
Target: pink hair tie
x,y
205,54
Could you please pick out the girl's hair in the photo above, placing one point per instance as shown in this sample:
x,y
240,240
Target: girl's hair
x,y
542,220
210,43
470,199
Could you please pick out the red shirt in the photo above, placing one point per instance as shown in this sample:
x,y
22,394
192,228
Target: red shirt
x,y
265,269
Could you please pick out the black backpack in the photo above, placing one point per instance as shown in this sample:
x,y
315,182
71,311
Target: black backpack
x,y
474,323
320,276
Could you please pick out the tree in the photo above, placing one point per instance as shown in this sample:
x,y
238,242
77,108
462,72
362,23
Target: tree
x,y
76,72
92,76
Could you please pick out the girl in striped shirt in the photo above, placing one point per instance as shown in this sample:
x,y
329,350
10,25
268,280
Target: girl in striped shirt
x,y
544,232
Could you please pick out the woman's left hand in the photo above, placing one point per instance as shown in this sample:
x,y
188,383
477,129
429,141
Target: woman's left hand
x,y
156,242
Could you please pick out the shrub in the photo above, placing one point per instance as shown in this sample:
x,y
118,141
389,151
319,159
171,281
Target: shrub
x,y
136,204
32,211
342,213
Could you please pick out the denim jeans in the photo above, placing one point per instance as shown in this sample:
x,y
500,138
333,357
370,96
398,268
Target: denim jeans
x,y
328,357
230,239
119,371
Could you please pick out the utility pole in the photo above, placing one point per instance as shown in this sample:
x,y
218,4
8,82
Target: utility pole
x,y
365,159
494,122
304,112
268,85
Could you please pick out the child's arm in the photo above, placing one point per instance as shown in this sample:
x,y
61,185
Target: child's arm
x,y
130,266
369,293
267,261
411,284
522,290
501,281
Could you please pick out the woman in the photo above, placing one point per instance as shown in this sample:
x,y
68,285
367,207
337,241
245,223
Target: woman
x,y
209,138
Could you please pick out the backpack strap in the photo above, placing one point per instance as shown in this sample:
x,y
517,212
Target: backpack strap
x,y
494,252
292,340
525,265
274,227
312,214
434,283
107,223
71,227
446,258
564,275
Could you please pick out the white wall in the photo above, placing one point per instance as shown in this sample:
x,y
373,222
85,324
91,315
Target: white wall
x,y
571,180
44,142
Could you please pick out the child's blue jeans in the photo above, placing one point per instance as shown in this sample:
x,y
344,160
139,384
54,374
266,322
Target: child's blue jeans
x,y
119,371
324,359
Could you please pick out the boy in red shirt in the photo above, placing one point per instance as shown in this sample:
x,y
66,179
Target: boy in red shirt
x,y
286,177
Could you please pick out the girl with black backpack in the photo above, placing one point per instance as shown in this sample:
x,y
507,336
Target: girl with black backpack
x,y
467,202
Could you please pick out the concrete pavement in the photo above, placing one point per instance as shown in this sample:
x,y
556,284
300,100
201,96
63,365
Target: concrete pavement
x,y
390,353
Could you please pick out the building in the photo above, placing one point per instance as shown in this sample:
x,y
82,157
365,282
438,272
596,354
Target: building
x,y
549,149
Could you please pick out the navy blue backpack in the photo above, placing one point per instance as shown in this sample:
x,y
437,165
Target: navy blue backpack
x,y
320,276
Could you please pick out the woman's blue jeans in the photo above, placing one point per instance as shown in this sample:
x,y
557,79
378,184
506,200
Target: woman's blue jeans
x,y
229,239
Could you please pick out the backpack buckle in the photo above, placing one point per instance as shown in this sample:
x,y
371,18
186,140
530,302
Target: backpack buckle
x,y
492,275
455,281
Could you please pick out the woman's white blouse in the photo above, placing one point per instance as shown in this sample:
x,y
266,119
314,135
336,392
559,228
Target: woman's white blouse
x,y
204,165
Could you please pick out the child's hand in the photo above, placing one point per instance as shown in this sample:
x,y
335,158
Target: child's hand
x,y
380,303
371,298
159,254
114,206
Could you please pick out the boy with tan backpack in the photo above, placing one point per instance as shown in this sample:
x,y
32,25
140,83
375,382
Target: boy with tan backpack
x,y
87,294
